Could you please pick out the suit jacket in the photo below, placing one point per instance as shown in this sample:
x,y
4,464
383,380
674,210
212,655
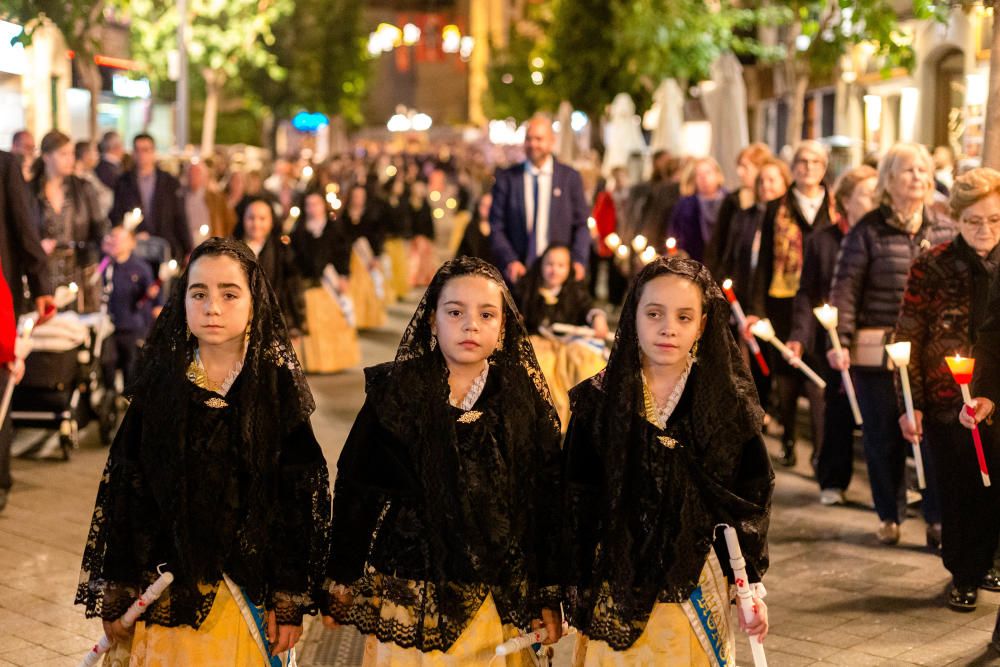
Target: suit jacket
x,y
108,172
568,211
21,252
166,219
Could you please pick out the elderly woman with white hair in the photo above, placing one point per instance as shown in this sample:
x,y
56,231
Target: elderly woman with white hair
x,y
946,303
868,287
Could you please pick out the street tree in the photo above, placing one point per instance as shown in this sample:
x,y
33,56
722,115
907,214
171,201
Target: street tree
x,y
819,32
321,45
80,23
227,40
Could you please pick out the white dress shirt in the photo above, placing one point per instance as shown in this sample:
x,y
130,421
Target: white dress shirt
x,y
809,205
541,232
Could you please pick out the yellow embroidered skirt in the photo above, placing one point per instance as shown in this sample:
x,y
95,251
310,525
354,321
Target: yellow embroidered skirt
x,y
565,365
475,646
696,632
223,640
395,248
369,309
332,344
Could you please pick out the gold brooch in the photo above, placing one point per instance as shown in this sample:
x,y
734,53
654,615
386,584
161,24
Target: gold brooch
x,y
470,416
216,402
666,440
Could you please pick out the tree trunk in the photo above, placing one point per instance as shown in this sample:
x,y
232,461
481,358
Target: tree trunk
x,y
91,76
991,140
213,90
796,99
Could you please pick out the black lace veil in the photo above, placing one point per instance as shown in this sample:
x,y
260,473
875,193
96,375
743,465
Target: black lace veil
x,y
412,402
724,416
272,400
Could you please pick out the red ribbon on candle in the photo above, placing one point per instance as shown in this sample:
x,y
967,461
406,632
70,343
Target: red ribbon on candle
x,y
962,369
741,318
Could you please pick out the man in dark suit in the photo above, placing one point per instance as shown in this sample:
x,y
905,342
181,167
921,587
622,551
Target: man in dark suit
x,y
158,195
538,203
986,388
22,257
112,149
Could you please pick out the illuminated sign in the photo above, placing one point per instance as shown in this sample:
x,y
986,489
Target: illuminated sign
x,y
122,86
309,122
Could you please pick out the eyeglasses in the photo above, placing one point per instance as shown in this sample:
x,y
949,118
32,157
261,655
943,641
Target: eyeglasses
x,y
993,221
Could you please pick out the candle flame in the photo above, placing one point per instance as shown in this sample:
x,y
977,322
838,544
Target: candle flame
x,y
727,284
671,243
73,287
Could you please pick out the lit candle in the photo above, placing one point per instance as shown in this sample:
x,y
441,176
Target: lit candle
x,y
765,331
827,316
961,369
613,241
622,251
741,320
900,355
639,243
648,255
671,246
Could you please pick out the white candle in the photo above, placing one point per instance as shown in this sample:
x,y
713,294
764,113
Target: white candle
x,y
827,316
765,331
743,592
900,354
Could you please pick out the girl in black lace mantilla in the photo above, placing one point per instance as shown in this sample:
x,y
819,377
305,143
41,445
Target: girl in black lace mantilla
x,y
444,504
219,477
663,445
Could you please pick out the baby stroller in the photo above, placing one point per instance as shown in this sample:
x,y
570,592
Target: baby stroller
x,y
62,387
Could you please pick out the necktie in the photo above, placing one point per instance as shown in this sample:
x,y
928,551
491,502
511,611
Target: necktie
x,y
532,242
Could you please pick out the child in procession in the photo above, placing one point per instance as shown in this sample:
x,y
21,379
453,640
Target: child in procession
x,y
447,488
664,445
215,472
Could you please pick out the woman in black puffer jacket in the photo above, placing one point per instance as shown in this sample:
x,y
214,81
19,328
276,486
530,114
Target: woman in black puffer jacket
x,y
868,287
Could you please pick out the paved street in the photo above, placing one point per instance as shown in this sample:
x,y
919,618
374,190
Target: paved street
x,y
835,596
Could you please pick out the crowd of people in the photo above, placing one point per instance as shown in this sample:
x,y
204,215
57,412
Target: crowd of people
x,y
574,406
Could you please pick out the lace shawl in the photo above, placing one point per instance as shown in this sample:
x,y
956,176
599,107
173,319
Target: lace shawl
x,y
641,502
208,483
434,506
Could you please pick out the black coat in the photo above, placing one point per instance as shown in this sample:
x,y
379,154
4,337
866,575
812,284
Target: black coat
x,y
20,250
765,266
871,272
167,218
818,265
313,254
108,172
987,354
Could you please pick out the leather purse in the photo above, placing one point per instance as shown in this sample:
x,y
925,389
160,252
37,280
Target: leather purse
x,y
868,348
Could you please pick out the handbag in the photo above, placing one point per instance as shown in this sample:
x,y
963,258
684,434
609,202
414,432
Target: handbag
x,y
868,348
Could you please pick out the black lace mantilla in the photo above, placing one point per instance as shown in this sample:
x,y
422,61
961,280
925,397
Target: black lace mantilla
x,y
641,503
210,484
435,507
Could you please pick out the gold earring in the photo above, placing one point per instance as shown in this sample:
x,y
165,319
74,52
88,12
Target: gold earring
x,y
187,331
434,342
694,349
246,334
